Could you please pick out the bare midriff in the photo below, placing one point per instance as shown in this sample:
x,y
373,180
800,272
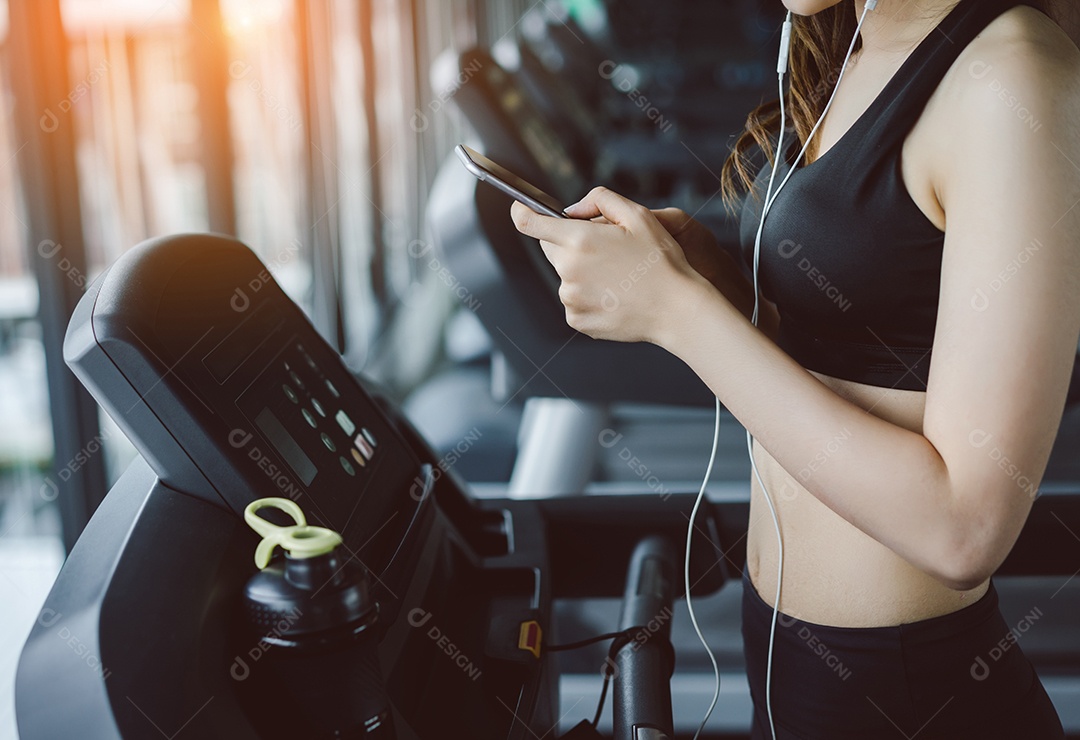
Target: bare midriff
x,y
834,573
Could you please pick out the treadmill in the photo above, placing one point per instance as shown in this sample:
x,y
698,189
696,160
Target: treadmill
x,y
231,396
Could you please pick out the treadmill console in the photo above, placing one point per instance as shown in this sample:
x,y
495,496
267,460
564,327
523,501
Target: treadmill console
x,y
229,393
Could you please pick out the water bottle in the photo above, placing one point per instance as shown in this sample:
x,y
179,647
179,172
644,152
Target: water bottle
x,y
314,616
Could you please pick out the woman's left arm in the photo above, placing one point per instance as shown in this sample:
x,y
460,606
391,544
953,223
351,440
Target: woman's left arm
x,y
953,499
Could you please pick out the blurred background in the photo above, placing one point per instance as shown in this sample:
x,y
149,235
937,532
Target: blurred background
x,y
285,123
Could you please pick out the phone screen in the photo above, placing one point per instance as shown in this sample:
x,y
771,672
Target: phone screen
x,y
508,182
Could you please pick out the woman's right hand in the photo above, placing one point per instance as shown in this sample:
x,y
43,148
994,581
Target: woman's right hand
x,y
715,264
699,245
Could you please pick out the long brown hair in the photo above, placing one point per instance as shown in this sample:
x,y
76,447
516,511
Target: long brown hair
x,y
819,44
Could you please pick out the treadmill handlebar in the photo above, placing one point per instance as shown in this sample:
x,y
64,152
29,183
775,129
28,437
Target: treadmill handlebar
x,y
642,688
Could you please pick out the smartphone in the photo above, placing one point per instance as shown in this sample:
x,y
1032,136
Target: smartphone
x,y
508,182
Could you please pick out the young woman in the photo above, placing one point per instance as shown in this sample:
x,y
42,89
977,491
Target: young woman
x,y
936,215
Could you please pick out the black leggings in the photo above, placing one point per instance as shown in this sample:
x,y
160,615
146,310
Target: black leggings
x,y
959,676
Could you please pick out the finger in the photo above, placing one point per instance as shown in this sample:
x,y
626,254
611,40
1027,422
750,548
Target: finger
x,y
559,231
607,203
674,220
583,209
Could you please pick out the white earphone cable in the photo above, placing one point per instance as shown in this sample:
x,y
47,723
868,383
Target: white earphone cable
x,y
686,570
770,198
749,440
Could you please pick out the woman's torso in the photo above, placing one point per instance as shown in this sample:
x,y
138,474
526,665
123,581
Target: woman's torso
x,y
834,573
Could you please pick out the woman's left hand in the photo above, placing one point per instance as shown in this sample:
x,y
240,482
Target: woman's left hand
x,y
620,271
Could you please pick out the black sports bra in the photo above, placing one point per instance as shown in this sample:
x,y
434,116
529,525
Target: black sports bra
x,y
852,264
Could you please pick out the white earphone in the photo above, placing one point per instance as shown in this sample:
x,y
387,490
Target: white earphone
x,y
770,198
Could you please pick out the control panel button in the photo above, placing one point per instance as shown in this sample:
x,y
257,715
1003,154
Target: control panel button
x,y
328,442
290,393
347,466
307,357
345,423
362,444
309,417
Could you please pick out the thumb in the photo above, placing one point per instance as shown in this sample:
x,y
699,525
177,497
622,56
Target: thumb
x,y
583,209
